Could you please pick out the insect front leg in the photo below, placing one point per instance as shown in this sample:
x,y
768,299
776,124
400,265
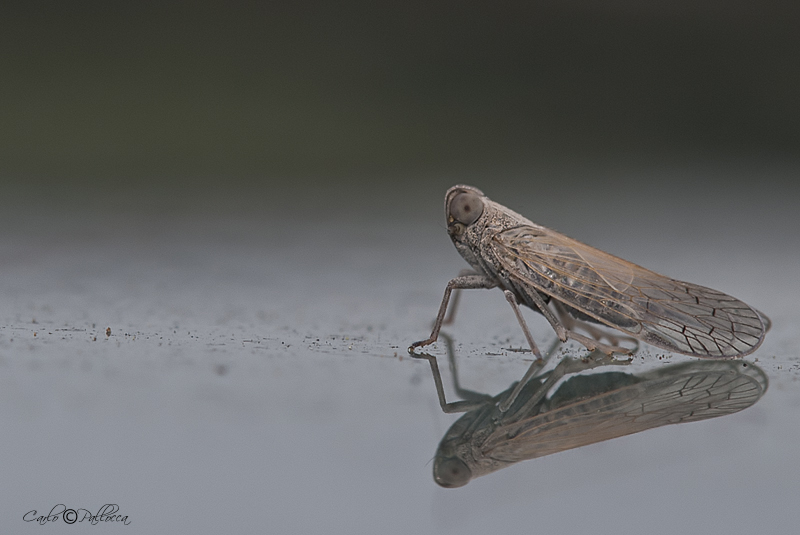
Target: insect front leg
x,y
466,282
472,400
457,297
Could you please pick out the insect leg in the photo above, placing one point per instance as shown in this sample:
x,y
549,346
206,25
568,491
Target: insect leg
x,y
512,300
567,366
464,393
571,323
454,406
535,367
565,334
472,400
467,282
457,298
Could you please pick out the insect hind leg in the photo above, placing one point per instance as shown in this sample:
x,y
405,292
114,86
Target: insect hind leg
x,y
565,333
568,319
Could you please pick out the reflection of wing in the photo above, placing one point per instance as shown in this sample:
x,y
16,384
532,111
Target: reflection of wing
x,y
686,397
675,315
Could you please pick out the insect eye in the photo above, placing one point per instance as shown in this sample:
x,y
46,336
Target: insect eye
x,y
466,208
451,472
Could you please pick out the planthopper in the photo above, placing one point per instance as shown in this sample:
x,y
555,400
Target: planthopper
x,y
576,286
565,408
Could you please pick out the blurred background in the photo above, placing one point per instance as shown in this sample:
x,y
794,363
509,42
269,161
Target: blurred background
x,y
231,96
221,226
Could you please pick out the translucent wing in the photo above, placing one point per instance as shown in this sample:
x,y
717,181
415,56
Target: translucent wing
x,y
678,316
680,397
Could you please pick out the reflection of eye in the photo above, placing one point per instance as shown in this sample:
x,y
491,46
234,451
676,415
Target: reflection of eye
x,y
466,207
451,472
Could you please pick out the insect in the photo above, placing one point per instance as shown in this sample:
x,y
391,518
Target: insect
x,y
574,286
551,415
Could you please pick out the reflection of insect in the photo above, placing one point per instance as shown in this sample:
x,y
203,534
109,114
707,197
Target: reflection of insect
x,y
552,415
571,283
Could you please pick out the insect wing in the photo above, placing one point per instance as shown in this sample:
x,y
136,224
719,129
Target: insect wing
x,y
683,397
674,315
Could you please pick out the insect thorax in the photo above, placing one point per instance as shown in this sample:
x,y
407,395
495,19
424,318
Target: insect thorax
x,y
474,244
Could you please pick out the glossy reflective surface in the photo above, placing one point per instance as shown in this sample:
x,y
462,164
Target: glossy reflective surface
x,y
565,408
255,375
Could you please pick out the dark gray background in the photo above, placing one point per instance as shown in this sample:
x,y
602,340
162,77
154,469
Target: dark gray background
x,y
264,90
250,197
